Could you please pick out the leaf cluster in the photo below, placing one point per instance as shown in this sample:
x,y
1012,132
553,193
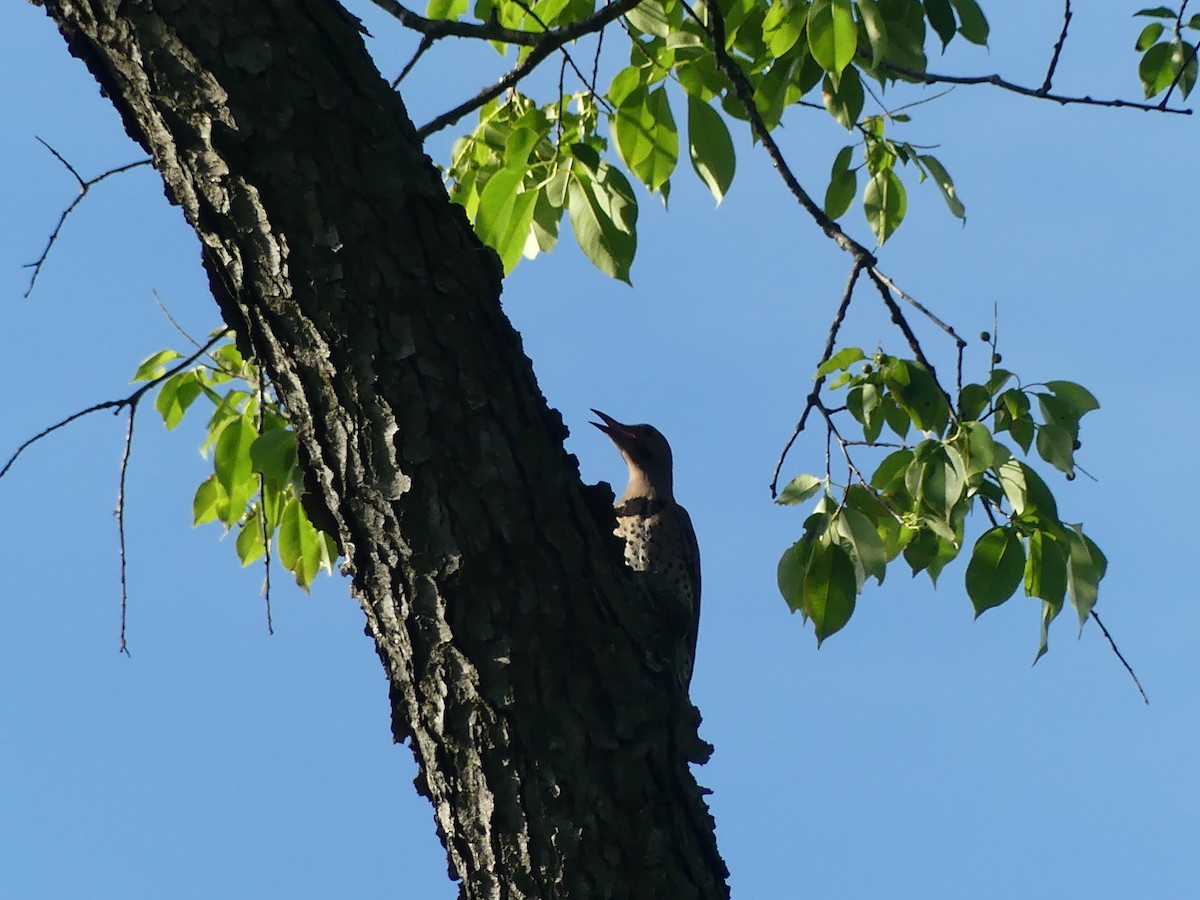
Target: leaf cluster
x,y
525,164
256,484
917,501
1167,59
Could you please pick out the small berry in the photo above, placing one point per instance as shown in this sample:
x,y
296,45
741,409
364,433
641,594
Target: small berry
x,y
985,337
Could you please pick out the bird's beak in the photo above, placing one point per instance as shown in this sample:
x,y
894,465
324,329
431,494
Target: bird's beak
x,y
617,431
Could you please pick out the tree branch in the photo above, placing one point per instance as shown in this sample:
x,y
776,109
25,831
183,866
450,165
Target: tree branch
x,y
433,29
545,45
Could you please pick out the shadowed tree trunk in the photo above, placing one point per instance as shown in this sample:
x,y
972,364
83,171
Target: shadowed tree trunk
x,y
553,749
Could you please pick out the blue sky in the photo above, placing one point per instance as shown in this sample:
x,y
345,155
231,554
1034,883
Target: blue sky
x,y
917,754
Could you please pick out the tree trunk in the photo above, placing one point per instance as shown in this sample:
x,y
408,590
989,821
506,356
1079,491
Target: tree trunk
x,y
554,751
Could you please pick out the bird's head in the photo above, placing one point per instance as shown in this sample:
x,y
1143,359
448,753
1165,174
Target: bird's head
x,y
647,454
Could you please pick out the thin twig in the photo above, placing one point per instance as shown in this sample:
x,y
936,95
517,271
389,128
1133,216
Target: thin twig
x,y
262,501
170,318
596,58
426,43
815,394
122,646
1062,39
913,343
1128,668
84,187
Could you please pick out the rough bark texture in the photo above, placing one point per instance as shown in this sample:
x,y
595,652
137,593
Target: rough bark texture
x,y
552,745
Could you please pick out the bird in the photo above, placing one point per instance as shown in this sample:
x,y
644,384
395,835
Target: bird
x,y
660,542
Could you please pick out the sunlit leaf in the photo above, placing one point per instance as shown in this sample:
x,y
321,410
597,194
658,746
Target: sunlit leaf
x,y
710,147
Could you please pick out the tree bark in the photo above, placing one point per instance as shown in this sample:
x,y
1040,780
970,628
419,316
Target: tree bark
x,y
553,749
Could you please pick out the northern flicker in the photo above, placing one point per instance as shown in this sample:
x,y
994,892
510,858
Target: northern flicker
x,y
658,535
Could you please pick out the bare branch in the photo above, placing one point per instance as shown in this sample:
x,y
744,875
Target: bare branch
x,y
84,187
131,401
997,81
1128,668
122,646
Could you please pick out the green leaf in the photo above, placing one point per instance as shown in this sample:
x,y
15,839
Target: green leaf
x,y
790,574
1149,35
875,28
972,401
799,489
781,28
885,203
862,541
891,472
843,185
177,394
845,101
1054,445
154,365
919,395
864,403
945,185
624,83
1050,612
925,551
972,24
274,454
710,147
1157,69
1157,12
977,447
1077,399
505,215
1086,566
941,17
250,540
1046,569
232,466
302,549
936,477
1027,493
646,136
832,35
210,501
829,589
843,359
995,570
997,380
446,9
603,214
650,17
